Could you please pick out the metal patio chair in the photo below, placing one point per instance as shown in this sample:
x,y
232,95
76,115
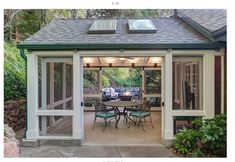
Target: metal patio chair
x,y
101,111
143,112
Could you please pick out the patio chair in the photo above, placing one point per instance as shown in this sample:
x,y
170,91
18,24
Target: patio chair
x,y
102,111
143,112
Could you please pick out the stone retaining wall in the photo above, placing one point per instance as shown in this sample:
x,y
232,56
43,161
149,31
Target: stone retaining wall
x,y
14,114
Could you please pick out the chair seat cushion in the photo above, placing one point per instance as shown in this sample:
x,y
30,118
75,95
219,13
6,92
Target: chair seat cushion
x,y
139,114
105,114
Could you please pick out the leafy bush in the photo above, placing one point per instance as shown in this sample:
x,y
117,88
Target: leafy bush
x,y
14,73
185,140
208,138
213,135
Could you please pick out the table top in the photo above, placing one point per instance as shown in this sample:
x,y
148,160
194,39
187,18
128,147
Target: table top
x,y
122,103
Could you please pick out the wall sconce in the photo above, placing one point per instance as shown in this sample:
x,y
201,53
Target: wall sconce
x,y
155,65
110,64
88,64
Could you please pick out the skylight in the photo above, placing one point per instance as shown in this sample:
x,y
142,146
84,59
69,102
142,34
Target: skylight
x,y
141,26
103,27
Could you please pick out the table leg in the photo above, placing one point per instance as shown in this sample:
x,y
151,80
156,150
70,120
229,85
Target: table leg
x,y
119,115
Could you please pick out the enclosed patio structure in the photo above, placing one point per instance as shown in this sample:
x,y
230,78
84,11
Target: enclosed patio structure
x,y
171,47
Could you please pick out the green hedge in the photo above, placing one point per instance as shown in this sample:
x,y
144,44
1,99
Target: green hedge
x,y
14,73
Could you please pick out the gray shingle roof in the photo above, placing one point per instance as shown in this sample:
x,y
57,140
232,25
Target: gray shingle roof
x,y
211,19
169,30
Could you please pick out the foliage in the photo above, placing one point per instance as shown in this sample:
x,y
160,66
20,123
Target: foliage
x,y
105,81
28,22
14,73
213,135
208,138
125,77
91,78
185,140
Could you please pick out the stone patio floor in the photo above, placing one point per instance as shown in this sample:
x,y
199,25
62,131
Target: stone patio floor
x,y
131,142
96,151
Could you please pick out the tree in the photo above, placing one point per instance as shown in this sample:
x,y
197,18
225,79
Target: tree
x,y
9,17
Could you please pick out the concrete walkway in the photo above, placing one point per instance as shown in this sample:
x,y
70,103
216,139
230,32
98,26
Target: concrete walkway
x,y
96,151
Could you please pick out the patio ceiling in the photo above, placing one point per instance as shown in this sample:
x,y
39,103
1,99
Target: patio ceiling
x,y
122,61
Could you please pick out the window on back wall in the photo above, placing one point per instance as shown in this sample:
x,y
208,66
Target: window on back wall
x,y
187,83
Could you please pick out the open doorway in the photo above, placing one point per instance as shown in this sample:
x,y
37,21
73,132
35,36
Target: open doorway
x,y
107,80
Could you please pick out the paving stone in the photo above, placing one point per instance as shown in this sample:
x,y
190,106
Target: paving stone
x,y
97,151
142,151
26,150
24,155
46,154
67,151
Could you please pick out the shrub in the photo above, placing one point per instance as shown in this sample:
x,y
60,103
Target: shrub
x,y
185,140
14,73
208,138
213,135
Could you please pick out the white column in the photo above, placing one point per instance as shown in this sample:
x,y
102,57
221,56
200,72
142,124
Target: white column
x,y
168,123
163,98
209,84
78,130
32,97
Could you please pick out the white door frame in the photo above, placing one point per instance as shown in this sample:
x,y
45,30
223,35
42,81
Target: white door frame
x,y
77,113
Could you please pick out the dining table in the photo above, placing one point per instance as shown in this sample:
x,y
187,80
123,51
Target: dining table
x,y
117,105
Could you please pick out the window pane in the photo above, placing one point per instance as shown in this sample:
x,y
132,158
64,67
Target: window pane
x,y
154,101
69,79
186,85
152,81
55,125
59,86
58,81
181,122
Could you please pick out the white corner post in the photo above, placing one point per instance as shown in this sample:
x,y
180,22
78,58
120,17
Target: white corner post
x,y
209,84
168,119
32,97
78,128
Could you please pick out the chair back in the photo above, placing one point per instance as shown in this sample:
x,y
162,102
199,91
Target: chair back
x,y
147,106
99,106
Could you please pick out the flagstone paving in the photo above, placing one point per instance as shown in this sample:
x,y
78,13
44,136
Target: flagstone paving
x,y
96,151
